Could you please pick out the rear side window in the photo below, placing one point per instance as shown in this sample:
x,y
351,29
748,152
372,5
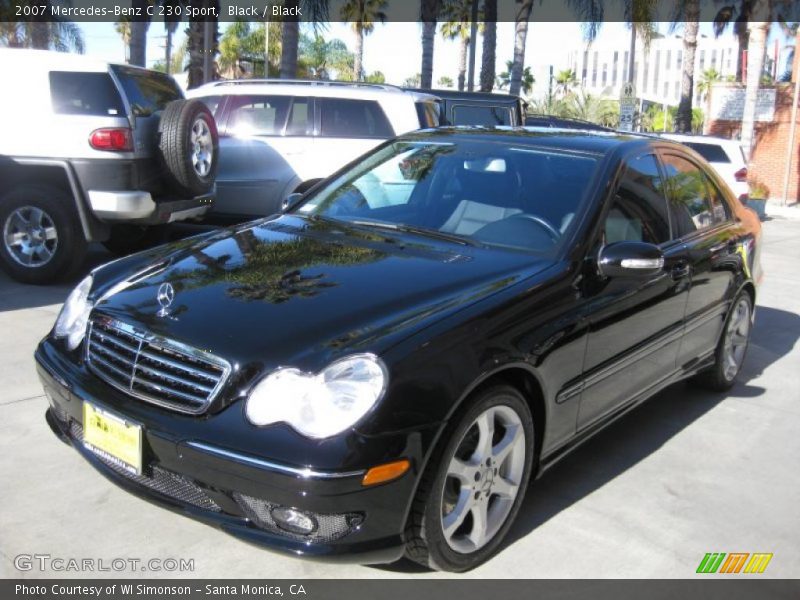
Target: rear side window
x,y
695,203
428,113
258,115
639,210
488,116
147,91
711,152
212,103
92,94
353,119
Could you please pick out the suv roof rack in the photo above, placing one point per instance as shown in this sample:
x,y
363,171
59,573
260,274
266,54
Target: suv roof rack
x,y
324,83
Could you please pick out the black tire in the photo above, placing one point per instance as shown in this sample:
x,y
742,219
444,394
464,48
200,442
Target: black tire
x,y
177,148
127,239
65,253
306,185
718,377
426,543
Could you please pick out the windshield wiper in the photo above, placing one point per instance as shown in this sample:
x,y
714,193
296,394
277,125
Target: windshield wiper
x,y
423,231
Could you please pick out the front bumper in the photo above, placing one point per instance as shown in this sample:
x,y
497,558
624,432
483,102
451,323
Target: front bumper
x,y
356,524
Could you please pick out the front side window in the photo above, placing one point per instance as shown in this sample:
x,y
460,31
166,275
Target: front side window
x,y
340,117
486,116
695,203
494,194
94,94
638,211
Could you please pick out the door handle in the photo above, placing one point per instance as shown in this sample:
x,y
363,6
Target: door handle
x,y
680,270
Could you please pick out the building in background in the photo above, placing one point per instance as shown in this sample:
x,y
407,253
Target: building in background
x,y
602,68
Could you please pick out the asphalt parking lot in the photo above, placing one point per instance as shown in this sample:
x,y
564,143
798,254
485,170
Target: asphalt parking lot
x,y
688,472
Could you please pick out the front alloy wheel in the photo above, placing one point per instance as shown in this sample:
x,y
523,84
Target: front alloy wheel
x,y
474,484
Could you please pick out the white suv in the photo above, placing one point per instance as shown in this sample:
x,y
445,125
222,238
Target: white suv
x,y
94,152
278,137
726,156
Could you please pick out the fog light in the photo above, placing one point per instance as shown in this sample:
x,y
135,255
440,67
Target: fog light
x,y
293,520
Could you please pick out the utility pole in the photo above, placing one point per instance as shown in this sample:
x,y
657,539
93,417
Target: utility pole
x,y
207,45
473,42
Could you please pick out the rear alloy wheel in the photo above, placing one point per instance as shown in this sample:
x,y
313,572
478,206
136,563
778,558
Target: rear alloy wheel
x,y
475,484
42,240
732,347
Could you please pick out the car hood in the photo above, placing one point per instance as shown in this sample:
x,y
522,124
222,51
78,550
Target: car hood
x,y
297,291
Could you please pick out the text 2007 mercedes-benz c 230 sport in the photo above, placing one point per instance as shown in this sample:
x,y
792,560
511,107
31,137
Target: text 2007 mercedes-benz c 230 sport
x,y
381,369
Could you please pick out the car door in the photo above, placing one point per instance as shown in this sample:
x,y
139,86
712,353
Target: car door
x,y
702,219
260,152
635,323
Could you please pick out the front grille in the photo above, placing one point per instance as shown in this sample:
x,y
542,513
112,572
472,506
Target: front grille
x,y
152,368
330,527
162,481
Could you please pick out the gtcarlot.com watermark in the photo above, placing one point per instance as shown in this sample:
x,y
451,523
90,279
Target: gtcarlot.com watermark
x,y
62,564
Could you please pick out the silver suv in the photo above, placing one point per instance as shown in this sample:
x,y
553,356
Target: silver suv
x,y
94,152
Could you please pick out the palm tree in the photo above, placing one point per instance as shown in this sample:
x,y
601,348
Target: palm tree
x,y
488,58
587,107
429,12
137,44
526,82
317,12
458,26
739,16
709,77
520,39
687,11
445,82
363,14
123,28
196,45
51,34
566,80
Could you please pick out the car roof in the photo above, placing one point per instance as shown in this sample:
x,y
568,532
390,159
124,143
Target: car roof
x,y
291,87
700,139
595,142
24,59
461,95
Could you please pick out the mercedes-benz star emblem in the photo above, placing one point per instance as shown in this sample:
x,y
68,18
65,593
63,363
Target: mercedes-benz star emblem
x,y
165,297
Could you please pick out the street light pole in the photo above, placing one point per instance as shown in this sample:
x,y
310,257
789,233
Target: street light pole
x,y
473,42
792,132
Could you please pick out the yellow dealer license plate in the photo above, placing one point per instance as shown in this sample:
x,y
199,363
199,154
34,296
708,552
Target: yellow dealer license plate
x,y
113,438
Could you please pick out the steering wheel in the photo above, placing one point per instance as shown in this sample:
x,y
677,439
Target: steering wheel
x,y
554,234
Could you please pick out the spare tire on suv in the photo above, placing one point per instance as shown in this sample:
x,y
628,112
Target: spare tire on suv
x,y
189,147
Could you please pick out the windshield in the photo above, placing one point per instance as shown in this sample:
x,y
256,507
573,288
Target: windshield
x,y
478,192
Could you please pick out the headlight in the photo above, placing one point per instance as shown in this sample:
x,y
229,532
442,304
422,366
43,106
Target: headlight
x,y
74,315
323,404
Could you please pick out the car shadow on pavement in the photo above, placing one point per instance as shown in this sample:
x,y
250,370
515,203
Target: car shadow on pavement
x,y
17,296
641,432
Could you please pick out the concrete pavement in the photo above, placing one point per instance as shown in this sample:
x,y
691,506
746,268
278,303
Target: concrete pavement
x,y
688,472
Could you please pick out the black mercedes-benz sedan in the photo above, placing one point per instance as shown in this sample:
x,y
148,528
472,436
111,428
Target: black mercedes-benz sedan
x,y
381,369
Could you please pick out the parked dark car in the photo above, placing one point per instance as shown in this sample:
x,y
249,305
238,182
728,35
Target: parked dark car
x,y
536,120
478,108
379,371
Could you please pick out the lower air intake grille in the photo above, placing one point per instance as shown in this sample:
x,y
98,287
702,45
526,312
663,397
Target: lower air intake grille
x,y
329,527
162,481
152,368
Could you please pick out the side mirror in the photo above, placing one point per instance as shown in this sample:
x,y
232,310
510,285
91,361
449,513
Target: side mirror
x,y
630,259
291,201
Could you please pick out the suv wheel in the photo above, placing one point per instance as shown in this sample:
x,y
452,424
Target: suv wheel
x,y
189,147
475,482
42,239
